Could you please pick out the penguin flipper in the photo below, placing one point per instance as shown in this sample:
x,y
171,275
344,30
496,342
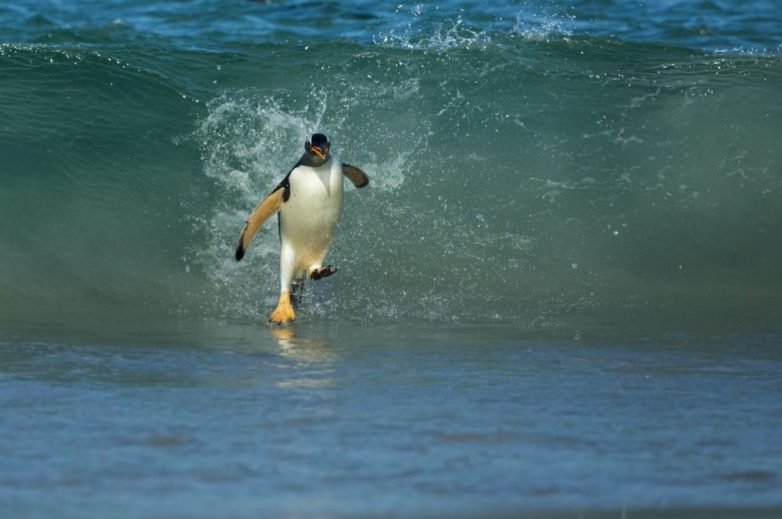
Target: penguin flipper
x,y
266,208
358,177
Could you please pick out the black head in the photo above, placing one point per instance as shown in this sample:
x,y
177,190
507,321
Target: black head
x,y
318,147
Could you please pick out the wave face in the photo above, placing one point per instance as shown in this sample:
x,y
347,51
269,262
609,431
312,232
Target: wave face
x,y
526,166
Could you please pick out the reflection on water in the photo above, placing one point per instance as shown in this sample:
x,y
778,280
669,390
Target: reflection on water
x,y
314,356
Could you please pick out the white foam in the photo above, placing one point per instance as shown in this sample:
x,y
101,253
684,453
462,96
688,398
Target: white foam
x,y
427,29
447,34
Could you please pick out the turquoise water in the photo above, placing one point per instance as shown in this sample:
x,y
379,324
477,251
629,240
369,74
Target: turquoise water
x,y
559,294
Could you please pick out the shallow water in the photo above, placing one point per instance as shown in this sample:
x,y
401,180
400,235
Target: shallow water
x,y
408,420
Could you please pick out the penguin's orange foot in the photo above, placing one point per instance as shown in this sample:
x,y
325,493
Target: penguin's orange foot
x,y
322,272
284,313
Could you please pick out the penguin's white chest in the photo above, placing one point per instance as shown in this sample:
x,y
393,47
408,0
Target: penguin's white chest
x,y
309,217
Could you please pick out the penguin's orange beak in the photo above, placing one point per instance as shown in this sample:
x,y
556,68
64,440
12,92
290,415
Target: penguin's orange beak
x,y
318,152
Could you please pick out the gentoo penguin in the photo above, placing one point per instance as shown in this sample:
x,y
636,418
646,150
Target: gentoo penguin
x,y
309,201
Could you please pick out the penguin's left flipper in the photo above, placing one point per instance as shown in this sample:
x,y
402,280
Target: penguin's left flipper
x,y
358,177
267,207
322,272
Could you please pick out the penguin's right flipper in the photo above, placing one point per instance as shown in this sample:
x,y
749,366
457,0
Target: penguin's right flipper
x,y
358,177
267,207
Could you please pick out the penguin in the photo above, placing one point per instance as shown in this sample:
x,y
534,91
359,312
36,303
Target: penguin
x,y
308,202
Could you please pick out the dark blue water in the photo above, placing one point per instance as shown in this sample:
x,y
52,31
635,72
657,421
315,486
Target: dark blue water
x,y
560,295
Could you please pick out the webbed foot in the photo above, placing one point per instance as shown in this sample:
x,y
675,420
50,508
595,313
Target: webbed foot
x,y
284,312
321,273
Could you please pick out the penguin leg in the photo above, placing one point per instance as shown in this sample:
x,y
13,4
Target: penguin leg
x,y
284,312
321,272
297,292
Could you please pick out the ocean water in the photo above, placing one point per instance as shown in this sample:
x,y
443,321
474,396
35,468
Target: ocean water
x,y
561,294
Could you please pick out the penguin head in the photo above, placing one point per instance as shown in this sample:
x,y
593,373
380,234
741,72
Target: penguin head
x,y
317,148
